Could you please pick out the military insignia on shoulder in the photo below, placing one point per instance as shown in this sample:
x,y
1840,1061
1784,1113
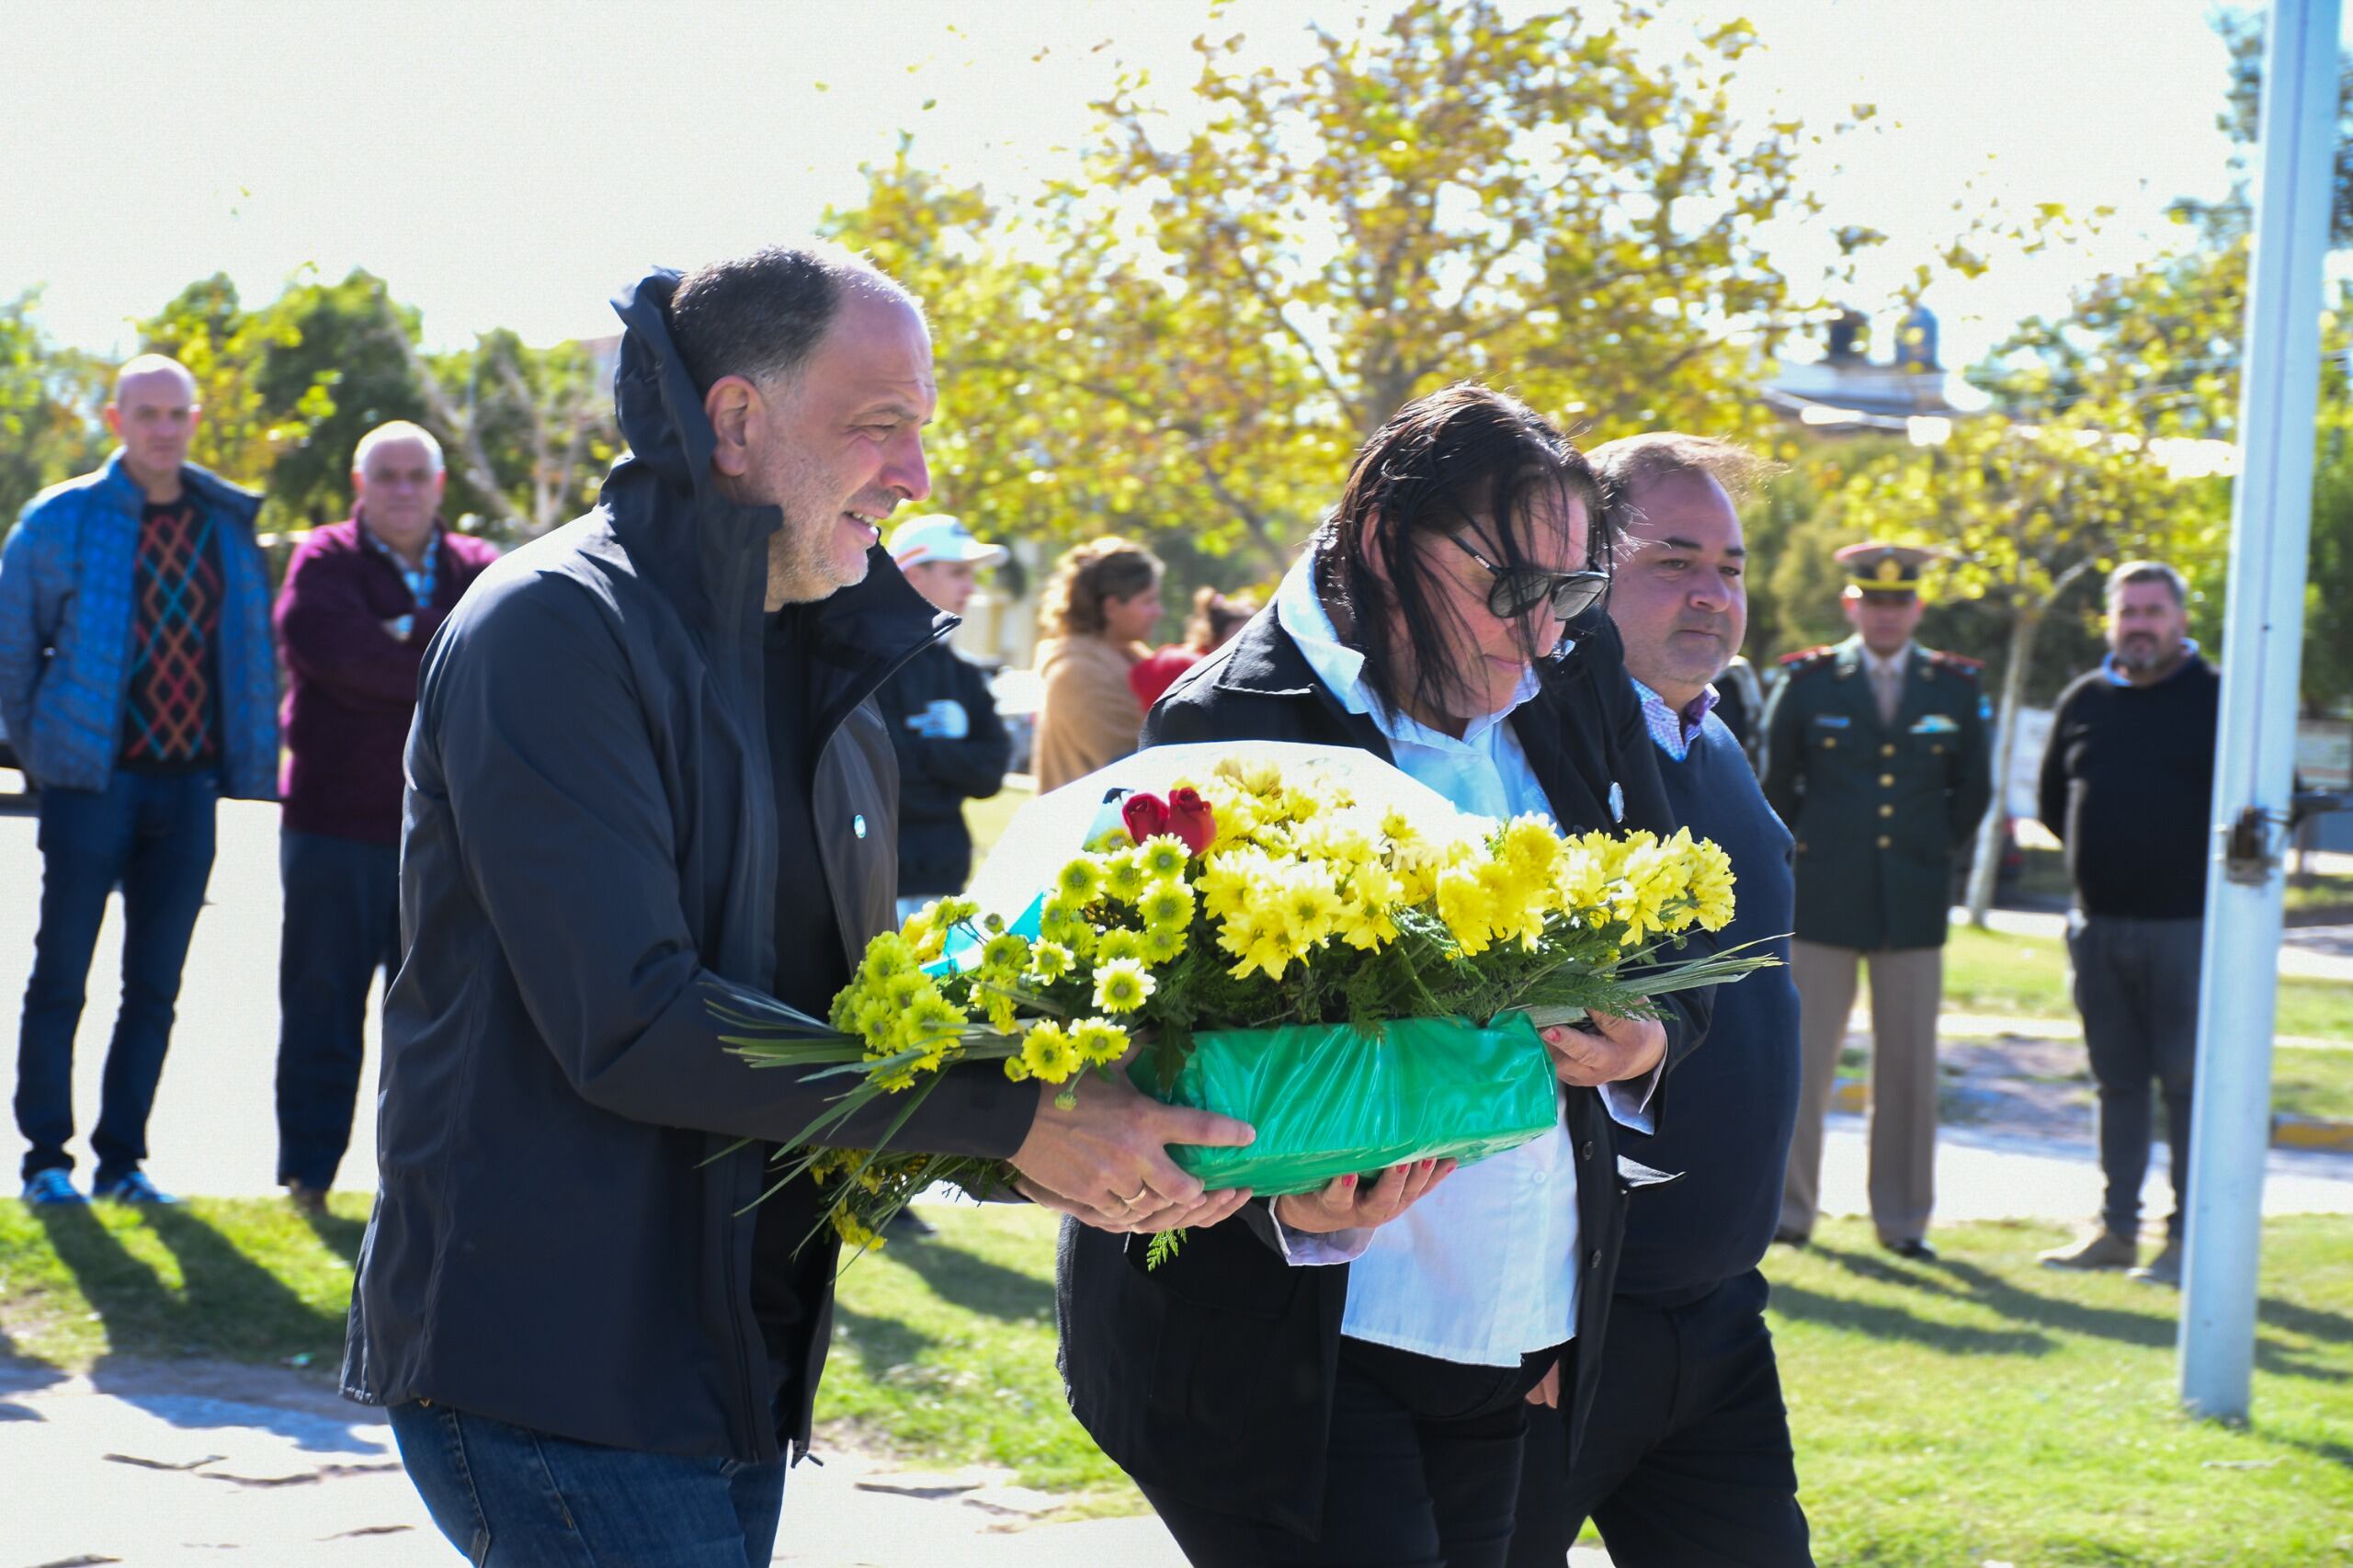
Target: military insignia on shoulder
x,y
1806,657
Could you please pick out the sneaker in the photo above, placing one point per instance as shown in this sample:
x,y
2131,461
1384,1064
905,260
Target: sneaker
x,y
131,1187
2102,1249
306,1199
51,1185
2162,1270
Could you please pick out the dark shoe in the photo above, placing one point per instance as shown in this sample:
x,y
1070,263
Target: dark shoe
x,y
2102,1249
131,1187
51,1185
1914,1249
1789,1238
907,1225
2162,1270
306,1199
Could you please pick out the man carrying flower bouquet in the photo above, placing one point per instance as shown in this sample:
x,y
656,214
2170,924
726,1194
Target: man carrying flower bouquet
x,y
646,783
1687,1460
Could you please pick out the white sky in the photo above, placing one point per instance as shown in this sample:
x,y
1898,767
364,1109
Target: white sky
x,y
512,162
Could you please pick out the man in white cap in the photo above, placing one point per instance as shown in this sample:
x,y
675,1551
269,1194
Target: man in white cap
x,y
953,746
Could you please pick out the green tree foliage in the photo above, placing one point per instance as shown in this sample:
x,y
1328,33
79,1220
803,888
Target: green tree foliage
x,y
243,433
50,400
1192,334
347,339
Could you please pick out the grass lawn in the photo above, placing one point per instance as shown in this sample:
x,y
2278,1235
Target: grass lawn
x,y
1975,1411
1996,972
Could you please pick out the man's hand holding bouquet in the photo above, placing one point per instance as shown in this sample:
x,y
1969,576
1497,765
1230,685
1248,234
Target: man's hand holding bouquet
x,y
1307,940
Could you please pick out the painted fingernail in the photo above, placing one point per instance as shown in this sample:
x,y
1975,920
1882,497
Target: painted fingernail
x,y
1348,1180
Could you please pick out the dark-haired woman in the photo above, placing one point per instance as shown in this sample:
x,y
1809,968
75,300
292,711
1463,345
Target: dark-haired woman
x,y
1305,1384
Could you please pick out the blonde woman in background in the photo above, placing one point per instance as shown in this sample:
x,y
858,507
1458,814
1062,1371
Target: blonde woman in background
x,y
1103,602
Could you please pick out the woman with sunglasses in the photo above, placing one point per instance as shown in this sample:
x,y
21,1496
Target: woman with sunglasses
x,y
1341,1377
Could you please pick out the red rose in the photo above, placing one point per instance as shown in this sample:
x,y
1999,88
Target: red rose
x,y
1190,818
1144,815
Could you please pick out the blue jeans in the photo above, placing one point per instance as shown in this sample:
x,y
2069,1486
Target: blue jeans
x,y
152,836
343,923
510,1498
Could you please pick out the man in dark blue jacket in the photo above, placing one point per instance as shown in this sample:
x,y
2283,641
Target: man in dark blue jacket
x,y
646,777
1686,1462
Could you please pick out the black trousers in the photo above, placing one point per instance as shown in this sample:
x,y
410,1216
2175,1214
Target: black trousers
x,y
343,924
2136,985
1686,1462
1422,1471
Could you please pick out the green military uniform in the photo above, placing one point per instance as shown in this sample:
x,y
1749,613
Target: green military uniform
x,y
1878,808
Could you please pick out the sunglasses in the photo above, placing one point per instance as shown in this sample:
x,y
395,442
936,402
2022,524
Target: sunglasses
x,y
1518,590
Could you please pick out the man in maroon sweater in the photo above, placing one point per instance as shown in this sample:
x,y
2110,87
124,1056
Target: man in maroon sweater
x,y
362,599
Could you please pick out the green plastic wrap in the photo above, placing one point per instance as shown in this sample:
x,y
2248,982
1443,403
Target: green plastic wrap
x,y
1331,1099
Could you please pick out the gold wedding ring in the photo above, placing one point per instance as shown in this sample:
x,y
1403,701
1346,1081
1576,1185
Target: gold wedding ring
x,y
1131,1202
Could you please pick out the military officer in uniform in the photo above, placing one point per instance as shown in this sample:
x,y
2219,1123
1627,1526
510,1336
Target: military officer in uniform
x,y
1876,756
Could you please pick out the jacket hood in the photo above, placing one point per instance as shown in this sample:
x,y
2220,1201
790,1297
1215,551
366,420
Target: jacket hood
x,y
666,504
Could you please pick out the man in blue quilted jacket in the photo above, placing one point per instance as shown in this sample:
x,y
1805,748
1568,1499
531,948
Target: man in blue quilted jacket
x,y
138,687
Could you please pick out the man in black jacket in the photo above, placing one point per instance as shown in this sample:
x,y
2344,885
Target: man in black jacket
x,y
2128,785
646,777
953,746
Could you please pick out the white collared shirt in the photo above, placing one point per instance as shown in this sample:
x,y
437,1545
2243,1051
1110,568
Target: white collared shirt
x,y
1484,1269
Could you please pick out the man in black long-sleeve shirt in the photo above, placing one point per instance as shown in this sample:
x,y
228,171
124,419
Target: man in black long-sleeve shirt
x,y
2128,784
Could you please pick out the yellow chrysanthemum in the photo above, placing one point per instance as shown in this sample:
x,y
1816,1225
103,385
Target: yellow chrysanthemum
x,y
1080,882
1162,855
1046,1052
1463,905
1259,945
1162,944
1113,946
1307,904
1122,985
1049,961
887,955
1125,876
1099,1040
1063,923
1712,884
1002,1011
1166,904
1530,848
1004,954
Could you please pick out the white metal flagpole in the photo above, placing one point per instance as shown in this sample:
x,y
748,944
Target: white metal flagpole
x,y
2262,647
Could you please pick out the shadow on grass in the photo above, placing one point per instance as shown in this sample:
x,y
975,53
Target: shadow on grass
x,y
1959,1281
1884,1322
976,1284
340,1236
881,1343
2330,1328
226,1304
